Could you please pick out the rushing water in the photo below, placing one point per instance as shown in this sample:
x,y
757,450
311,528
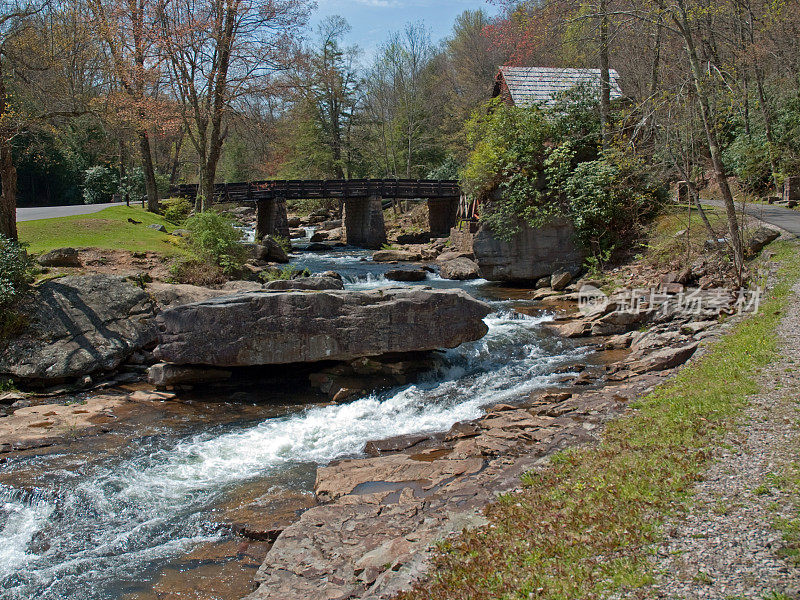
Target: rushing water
x,y
101,528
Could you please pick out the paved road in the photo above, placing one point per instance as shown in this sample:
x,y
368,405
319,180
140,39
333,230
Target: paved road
x,y
780,216
49,212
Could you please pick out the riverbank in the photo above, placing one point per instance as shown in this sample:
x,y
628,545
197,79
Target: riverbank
x,y
582,525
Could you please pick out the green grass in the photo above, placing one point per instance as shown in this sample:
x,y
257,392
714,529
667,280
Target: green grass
x,y
107,229
585,526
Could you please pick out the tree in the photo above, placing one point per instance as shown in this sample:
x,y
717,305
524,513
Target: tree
x,y
13,22
129,30
218,52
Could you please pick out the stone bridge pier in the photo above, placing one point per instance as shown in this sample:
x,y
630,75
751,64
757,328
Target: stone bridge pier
x,y
363,222
442,215
271,218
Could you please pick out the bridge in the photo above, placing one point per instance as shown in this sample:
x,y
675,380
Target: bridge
x,y
361,198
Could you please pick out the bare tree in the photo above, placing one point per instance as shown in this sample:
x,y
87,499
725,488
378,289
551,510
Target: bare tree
x,y
129,31
218,52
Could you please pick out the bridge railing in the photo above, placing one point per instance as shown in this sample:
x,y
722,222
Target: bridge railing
x,y
302,189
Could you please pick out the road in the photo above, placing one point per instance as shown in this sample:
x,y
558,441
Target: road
x,y
780,216
50,212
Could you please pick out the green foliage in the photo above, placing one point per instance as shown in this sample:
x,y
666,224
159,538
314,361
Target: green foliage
x,y
215,240
506,166
99,185
608,199
529,165
16,276
176,210
449,169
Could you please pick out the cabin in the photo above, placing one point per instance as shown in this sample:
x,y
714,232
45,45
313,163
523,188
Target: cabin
x,y
540,86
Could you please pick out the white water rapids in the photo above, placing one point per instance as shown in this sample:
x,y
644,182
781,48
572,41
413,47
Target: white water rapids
x,y
105,527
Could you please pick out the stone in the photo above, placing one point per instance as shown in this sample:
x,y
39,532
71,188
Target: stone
x,y
163,375
543,282
666,358
158,227
452,255
396,256
169,294
60,257
142,396
331,274
11,397
460,269
697,327
273,251
235,287
319,236
406,275
295,222
305,283
266,327
183,233
78,326
422,237
560,280
760,239
530,255
330,225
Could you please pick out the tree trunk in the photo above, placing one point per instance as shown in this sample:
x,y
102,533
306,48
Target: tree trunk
x,y
149,172
8,174
720,174
605,77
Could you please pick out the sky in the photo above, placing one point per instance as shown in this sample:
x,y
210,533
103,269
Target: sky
x,y
373,20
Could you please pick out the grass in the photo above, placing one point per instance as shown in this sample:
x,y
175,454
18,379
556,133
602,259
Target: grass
x,y
584,526
108,229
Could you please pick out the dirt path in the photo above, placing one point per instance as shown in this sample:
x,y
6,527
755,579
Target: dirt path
x,y
728,546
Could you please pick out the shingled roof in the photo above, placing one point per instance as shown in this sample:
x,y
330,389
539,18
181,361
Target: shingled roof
x,y
528,86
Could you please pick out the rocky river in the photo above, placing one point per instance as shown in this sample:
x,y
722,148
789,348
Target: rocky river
x,y
112,517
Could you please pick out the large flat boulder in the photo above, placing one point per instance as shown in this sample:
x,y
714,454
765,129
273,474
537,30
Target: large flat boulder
x,y
263,328
77,326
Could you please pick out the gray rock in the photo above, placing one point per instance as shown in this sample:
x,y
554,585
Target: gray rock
x,y
305,283
79,325
169,295
236,287
263,328
666,358
60,257
163,375
184,233
10,398
761,238
542,283
273,251
460,269
560,280
158,227
406,275
396,256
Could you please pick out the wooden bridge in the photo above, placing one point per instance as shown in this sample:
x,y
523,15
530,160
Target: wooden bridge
x,y
361,198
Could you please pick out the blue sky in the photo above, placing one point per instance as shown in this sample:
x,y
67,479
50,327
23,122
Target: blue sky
x,y
373,20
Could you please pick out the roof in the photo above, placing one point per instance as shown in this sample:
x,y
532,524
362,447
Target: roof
x,y
540,85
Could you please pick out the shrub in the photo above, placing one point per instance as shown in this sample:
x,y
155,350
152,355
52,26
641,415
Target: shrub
x,y
286,272
196,272
16,276
99,185
176,210
215,240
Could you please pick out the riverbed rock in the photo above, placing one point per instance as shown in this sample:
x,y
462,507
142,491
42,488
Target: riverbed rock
x,y
60,257
169,294
163,375
560,280
305,283
666,358
263,328
460,269
77,326
273,251
396,256
406,275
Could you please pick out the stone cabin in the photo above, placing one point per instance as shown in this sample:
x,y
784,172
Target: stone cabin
x,y
539,86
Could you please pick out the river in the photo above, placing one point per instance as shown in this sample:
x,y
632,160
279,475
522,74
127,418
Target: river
x,y
102,523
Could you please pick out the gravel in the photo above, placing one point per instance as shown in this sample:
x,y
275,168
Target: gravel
x,y
726,547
